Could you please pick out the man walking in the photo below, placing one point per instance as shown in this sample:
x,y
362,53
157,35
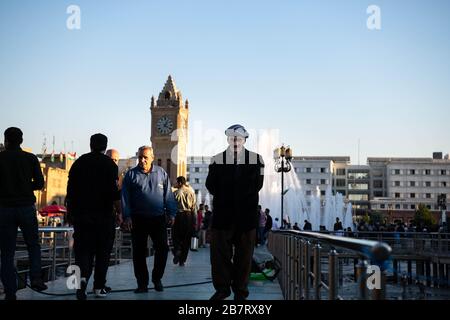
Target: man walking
x,y
234,179
20,175
146,200
93,199
183,228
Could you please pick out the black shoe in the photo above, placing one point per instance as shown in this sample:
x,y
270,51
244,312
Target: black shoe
x,y
81,293
10,297
176,259
239,297
158,285
181,264
220,295
38,285
141,290
106,288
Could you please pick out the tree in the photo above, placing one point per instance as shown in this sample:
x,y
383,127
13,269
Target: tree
x,y
423,217
376,217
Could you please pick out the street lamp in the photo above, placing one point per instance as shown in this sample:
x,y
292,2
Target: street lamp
x,y
282,157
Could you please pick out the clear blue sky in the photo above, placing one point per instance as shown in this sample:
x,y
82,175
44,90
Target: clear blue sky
x,y
311,69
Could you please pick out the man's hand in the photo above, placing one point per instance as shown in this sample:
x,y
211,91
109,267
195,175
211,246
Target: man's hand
x,y
127,224
171,221
119,219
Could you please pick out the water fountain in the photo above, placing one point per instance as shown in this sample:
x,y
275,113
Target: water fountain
x,y
296,208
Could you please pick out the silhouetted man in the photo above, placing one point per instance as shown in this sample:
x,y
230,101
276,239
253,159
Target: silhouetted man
x,y
146,200
93,198
234,179
338,225
20,175
307,226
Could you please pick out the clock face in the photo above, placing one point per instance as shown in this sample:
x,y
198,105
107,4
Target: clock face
x,y
164,125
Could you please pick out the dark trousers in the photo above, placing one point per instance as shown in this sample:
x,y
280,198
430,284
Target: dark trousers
x,y
93,238
182,232
232,269
143,227
10,220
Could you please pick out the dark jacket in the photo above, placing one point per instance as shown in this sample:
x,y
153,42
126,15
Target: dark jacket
x,y
20,175
93,186
235,189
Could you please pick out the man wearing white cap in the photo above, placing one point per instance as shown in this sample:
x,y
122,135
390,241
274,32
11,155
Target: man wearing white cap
x,y
234,179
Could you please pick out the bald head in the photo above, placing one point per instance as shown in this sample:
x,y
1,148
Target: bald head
x,y
114,155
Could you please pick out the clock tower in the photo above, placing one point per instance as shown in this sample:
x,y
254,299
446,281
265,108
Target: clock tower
x,y
169,130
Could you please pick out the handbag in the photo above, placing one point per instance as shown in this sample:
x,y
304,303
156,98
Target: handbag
x,y
194,244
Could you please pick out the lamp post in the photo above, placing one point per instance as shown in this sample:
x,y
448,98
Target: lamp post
x,y
283,157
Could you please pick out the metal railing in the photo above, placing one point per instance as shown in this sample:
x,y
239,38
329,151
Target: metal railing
x,y
57,246
300,254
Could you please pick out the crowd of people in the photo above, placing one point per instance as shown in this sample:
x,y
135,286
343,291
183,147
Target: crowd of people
x,y
142,203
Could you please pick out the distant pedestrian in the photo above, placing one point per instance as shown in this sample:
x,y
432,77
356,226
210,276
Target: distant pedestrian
x,y
307,226
183,227
296,227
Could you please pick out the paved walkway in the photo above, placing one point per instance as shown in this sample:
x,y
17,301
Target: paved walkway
x,y
197,269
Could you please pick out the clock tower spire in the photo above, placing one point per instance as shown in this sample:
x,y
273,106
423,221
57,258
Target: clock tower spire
x,y
169,125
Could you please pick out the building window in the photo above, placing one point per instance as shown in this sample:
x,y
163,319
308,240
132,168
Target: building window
x,y
197,169
323,170
428,195
196,191
297,170
322,192
308,181
427,172
358,197
378,184
443,172
397,183
412,195
427,183
358,186
308,170
405,206
443,184
340,182
397,195
396,171
378,194
413,207
196,180
342,192
397,206
412,183
308,192
412,172
382,206
322,181
340,172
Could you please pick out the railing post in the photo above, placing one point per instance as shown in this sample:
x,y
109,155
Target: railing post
x,y
361,275
289,268
317,271
332,284
307,268
380,294
292,283
54,257
301,269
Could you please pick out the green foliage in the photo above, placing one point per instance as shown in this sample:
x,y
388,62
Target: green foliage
x,y
376,217
423,217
